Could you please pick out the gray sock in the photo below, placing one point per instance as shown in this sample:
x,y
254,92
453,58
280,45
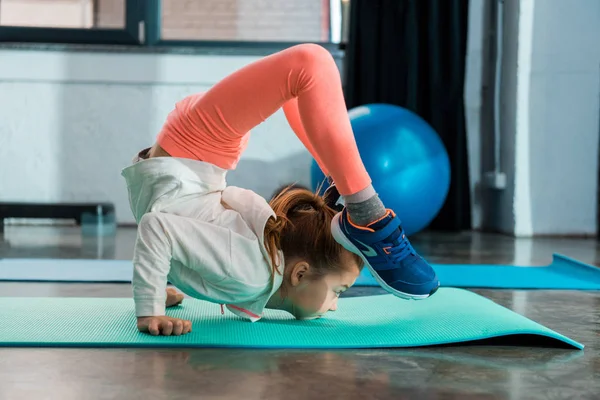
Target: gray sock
x,y
365,206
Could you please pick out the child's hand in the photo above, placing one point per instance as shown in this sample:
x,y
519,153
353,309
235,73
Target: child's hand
x,y
164,325
173,298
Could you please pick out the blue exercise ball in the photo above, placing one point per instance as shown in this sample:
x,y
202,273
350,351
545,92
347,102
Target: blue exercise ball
x,y
406,159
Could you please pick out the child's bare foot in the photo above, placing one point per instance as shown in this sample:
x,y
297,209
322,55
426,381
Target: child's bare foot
x,y
173,298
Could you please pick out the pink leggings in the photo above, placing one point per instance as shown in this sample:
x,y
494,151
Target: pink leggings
x,y
214,127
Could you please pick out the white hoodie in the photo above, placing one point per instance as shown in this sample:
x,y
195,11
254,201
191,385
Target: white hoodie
x,y
205,238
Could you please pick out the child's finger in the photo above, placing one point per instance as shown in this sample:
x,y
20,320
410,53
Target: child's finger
x,y
153,327
179,298
167,328
187,326
177,327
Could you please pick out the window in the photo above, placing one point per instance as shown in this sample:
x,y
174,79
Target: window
x,y
246,20
82,14
173,22
70,21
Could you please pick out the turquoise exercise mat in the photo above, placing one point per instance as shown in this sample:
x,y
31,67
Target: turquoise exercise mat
x,y
562,273
451,316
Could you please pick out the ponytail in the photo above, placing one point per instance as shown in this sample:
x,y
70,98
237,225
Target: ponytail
x,y
302,230
291,205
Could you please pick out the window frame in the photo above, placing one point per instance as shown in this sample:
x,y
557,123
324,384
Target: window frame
x,y
152,35
142,29
129,34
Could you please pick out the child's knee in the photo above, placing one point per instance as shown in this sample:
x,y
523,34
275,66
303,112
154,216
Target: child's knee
x,y
309,55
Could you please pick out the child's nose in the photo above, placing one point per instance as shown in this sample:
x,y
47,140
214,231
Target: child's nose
x,y
333,306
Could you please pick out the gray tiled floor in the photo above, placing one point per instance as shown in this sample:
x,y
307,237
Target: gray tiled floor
x,y
462,372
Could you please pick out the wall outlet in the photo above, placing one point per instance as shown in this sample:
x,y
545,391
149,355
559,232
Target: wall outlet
x,y
495,180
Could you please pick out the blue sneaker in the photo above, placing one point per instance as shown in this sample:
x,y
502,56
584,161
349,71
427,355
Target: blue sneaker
x,y
388,254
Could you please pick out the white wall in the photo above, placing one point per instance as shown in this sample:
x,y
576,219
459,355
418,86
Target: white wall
x,y
72,120
564,122
549,124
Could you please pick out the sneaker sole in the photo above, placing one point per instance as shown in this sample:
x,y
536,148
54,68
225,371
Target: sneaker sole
x,y
338,235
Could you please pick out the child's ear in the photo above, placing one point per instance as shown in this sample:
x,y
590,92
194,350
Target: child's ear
x,y
299,273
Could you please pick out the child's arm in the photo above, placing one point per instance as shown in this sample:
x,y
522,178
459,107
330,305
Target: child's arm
x,y
151,265
201,246
152,258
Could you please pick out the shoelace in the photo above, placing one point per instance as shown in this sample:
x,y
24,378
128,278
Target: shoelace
x,y
400,246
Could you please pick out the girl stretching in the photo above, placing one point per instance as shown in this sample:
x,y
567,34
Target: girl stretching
x,y
228,245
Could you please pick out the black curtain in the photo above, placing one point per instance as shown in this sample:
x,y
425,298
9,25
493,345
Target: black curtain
x,y
412,53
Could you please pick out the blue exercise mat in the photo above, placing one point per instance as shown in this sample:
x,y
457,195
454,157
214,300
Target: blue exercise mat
x,y
562,273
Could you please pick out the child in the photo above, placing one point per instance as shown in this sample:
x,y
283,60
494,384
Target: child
x,y
228,245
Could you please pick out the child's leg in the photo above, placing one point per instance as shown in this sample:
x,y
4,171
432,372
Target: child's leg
x,y
364,205
214,128
382,243
292,115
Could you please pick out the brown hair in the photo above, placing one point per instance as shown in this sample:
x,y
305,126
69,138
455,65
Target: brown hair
x,y
303,230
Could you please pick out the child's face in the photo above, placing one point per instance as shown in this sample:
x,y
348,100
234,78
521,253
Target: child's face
x,y
312,298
